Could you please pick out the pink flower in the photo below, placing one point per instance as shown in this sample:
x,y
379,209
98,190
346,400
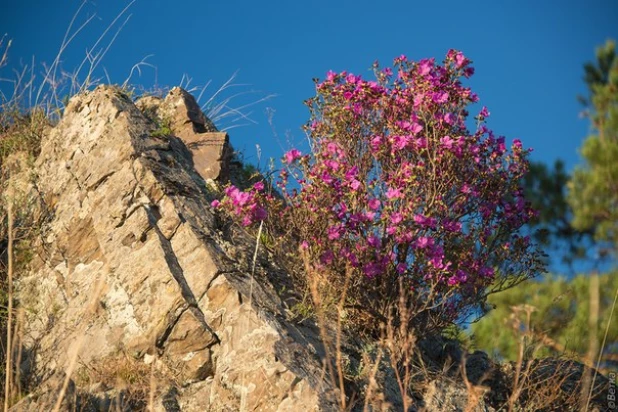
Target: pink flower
x,y
418,100
441,97
332,148
334,232
452,226
400,142
332,164
469,71
487,272
350,78
350,174
372,269
459,278
330,76
292,155
355,184
353,260
416,128
374,204
401,268
215,203
437,262
405,125
425,66
460,60
425,221
327,257
242,198
420,143
393,193
259,213
424,242
376,141
396,218
447,142
259,186
484,113
374,241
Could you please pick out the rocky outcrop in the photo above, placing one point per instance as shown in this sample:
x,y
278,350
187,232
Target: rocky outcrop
x,y
210,149
139,295
131,266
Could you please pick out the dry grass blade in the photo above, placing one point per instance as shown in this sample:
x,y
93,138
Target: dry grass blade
x,y
8,365
598,364
5,52
593,321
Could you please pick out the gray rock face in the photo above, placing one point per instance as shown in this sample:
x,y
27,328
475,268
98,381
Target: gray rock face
x,y
131,266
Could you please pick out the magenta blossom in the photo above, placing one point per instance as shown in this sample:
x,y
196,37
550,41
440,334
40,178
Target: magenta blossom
x,y
259,186
424,242
374,204
292,155
392,193
372,269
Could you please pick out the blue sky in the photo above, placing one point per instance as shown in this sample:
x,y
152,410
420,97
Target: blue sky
x,y
528,55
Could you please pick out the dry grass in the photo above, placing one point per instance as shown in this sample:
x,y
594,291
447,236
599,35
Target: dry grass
x,y
134,383
553,384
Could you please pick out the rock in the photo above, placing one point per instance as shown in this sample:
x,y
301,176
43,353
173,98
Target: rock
x,y
133,267
210,149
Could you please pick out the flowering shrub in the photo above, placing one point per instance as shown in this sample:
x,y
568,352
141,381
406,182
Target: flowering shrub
x,y
398,191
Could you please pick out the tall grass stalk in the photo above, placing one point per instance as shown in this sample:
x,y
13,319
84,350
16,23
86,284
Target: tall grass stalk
x,y
593,342
599,358
9,355
219,108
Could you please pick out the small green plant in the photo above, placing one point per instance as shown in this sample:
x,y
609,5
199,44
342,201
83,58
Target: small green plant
x,y
267,240
164,129
302,310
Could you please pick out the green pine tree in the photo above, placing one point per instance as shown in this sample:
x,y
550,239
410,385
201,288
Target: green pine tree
x,y
558,322
593,189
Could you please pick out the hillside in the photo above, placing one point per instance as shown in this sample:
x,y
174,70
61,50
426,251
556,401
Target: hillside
x,y
137,294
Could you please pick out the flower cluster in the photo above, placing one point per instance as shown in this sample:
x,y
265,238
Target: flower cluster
x,y
397,188
245,205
